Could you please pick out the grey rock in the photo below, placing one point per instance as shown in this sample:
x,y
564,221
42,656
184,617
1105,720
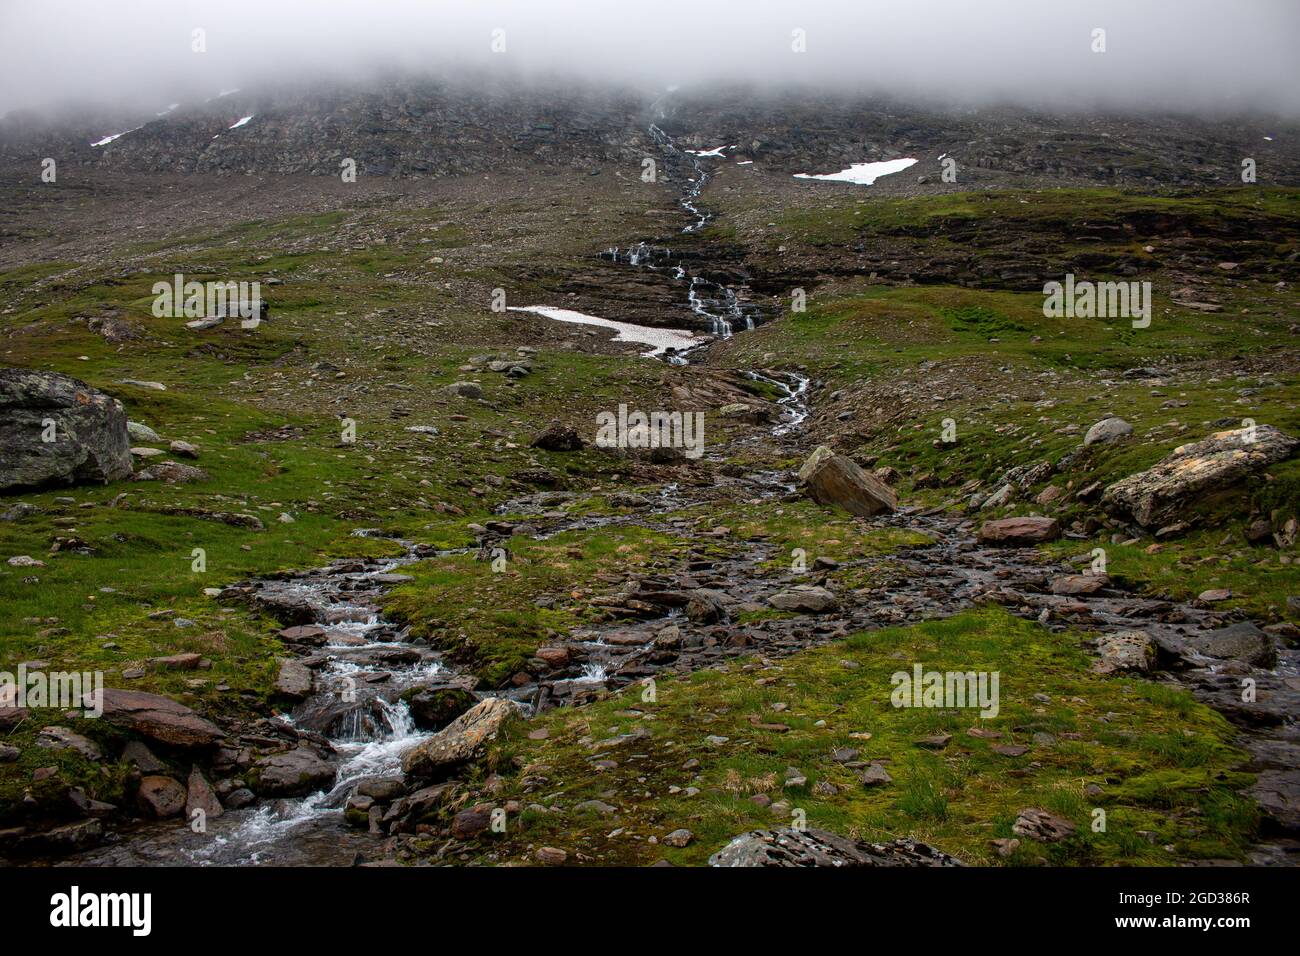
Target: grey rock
x,y
789,847
91,443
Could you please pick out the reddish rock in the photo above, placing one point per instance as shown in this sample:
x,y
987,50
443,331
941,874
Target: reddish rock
x,y
158,718
160,797
1020,532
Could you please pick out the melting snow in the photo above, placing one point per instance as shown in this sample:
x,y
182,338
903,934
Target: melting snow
x,y
243,121
108,139
658,339
864,174
709,152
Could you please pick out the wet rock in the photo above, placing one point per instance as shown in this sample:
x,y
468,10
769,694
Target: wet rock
x,y
1125,651
789,847
1243,641
1195,473
91,443
558,437
1019,532
805,599
834,480
238,799
199,796
1037,824
459,742
1076,584
160,797
436,707
1107,430
294,773
383,789
60,840
158,718
706,606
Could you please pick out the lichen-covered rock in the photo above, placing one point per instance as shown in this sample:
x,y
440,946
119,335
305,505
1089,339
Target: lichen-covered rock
x,y
837,481
88,431
1195,472
1125,651
786,846
461,741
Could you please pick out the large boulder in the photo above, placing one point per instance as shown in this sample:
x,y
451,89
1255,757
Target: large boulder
x,y
1020,532
1107,430
1243,641
461,741
790,847
805,598
558,437
293,773
1193,473
89,429
158,718
833,480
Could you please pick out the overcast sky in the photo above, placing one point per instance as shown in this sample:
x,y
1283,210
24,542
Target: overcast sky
x,y
1190,54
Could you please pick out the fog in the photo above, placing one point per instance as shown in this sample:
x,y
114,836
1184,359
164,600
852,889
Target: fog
x,y
1206,56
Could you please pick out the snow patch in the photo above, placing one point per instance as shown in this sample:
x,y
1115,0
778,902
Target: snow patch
x,y
863,174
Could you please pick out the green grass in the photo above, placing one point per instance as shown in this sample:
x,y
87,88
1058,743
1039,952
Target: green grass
x,y
1164,763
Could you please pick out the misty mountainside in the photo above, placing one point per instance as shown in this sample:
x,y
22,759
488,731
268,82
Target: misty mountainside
x,y
440,128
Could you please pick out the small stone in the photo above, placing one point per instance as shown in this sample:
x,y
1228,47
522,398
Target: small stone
x,y
679,838
875,776
551,856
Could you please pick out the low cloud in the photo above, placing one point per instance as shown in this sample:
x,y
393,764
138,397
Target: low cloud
x,y
1195,55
